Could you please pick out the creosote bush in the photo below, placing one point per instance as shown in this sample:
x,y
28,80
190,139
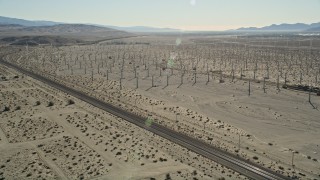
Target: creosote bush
x,y
6,109
70,102
50,104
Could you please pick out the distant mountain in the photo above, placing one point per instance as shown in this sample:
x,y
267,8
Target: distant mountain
x,y
59,29
248,29
283,27
315,29
28,23
58,34
67,28
7,20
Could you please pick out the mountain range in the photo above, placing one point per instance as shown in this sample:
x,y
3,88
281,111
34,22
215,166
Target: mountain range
x,y
314,27
22,22
28,23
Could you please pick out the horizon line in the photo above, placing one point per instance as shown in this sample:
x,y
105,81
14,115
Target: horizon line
x,y
179,28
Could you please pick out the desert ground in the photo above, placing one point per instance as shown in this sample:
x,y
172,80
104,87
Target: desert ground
x,y
46,134
224,90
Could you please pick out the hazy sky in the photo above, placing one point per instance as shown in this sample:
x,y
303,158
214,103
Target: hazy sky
x,y
183,14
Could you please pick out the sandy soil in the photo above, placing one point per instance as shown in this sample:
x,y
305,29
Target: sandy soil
x,y
271,126
78,141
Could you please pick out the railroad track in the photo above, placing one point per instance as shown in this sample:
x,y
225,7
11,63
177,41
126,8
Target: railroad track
x,y
236,163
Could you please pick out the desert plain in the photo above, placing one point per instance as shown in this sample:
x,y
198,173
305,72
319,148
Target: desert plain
x,y
227,90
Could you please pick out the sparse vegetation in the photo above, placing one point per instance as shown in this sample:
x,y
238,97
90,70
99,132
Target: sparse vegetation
x,y
50,104
70,102
38,103
214,61
168,177
6,108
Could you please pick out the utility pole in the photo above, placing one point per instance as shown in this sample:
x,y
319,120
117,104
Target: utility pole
x,y
232,75
152,81
239,143
137,82
310,88
264,85
249,88
292,158
278,88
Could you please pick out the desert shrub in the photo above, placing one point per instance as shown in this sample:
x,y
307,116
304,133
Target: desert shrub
x,y
255,157
6,109
194,173
168,177
38,103
70,102
50,104
18,108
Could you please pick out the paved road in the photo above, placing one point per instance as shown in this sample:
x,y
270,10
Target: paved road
x,y
227,159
